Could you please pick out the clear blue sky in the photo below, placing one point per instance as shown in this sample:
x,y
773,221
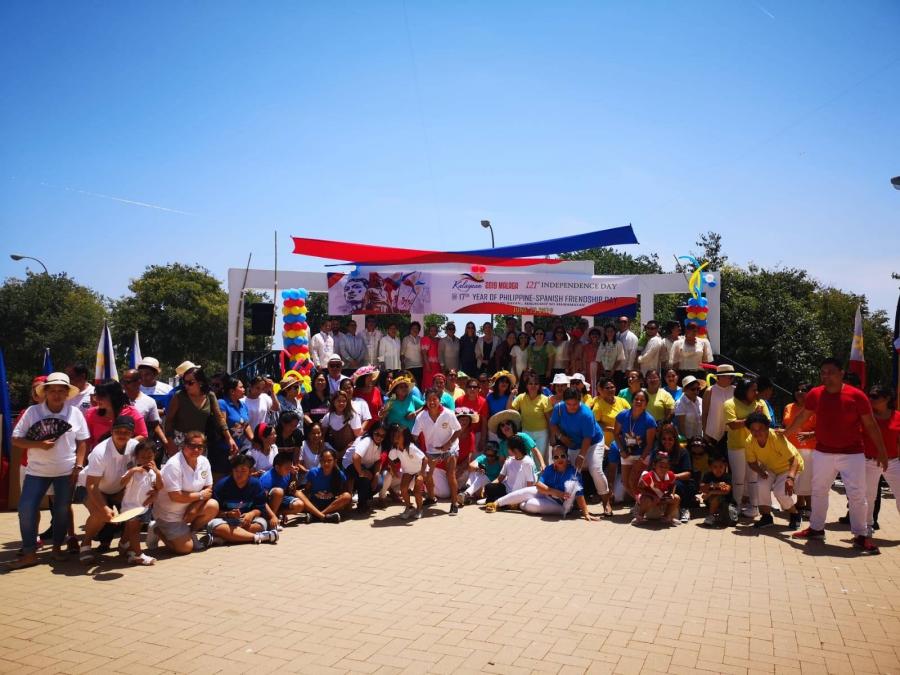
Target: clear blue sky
x,y
774,123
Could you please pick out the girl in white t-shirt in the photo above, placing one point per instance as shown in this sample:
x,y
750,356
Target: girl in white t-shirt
x,y
341,424
139,482
262,448
412,468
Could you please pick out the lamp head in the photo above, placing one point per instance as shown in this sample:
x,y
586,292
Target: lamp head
x,y
895,181
485,223
15,257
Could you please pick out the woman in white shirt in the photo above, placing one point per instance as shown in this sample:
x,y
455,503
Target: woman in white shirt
x,y
55,462
610,355
438,432
389,350
519,354
411,351
341,424
184,505
261,401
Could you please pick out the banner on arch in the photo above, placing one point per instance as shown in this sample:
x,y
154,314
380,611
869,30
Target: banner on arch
x,y
480,293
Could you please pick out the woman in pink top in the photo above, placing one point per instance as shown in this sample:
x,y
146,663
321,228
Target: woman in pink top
x,y
111,401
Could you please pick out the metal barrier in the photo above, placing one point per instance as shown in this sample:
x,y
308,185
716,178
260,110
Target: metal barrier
x,y
247,365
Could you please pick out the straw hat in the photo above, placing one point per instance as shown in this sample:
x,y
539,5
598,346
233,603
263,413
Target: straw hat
x,y
463,411
365,370
149,362
185,366
504,416
398,381
503,373
60,379
289,380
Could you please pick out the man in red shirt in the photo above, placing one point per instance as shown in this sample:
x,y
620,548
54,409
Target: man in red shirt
x,y
843,414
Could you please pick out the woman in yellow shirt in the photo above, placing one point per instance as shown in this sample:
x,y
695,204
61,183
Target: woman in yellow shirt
x,y
737,409
776,463
606,406
534,407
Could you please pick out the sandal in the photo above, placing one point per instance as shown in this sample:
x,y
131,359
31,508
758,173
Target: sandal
x,y
140,559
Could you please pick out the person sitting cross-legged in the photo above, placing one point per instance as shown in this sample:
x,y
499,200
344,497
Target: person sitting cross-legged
x,y
280,485
244,516
325,492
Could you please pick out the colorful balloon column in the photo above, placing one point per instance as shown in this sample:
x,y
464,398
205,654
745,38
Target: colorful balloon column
x,y
698,306
295,335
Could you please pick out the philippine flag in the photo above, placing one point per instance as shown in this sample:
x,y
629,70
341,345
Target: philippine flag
x,y
857,352
106,358
134,354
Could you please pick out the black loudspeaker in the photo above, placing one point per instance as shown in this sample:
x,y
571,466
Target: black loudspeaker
x,y
262,316
681,315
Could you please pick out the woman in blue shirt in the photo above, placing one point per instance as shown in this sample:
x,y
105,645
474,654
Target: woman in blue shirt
x,y
237,416
573,424
672,384
500,396
635,435
557,490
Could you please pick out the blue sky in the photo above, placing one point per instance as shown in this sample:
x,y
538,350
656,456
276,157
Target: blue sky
x,y
407,123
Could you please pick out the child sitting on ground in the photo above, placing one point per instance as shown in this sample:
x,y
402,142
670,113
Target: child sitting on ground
x,y
656,493
139,482
280,485
715,486
244,515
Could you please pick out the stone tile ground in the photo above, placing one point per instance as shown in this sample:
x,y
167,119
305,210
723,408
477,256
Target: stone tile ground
x,y
501,593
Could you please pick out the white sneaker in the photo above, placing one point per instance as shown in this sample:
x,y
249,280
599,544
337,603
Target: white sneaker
x,y
152,540
408,513
685,516
748,511
481,502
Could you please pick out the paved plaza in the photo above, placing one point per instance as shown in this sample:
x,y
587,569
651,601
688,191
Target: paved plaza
x,y
502,593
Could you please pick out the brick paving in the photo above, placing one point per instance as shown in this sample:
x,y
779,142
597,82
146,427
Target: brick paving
x,y
500,593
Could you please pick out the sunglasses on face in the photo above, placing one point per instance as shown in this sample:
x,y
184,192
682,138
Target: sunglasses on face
x,y
555,457
194,446
472,386
188,383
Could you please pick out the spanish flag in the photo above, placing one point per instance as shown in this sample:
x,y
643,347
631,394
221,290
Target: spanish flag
x,y
857,352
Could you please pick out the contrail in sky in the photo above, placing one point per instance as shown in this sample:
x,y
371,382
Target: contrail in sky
x,y
765,11
121,200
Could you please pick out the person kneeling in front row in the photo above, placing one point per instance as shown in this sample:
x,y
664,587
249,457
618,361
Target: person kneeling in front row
x,y
244,516
280,485
772,456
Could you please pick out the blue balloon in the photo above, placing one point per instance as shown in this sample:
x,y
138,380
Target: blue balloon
x,y
303,293
699,322
285,295
295,295
704,302
302,341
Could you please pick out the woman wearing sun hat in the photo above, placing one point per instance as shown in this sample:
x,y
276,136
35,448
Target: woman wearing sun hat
x,y
56,460
289,393
364,380
401,406
501,394
505,425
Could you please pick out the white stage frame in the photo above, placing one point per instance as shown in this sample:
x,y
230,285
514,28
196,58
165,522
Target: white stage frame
x,y
649,286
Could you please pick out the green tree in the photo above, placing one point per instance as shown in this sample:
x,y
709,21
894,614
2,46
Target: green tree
x,y
181,312
46,310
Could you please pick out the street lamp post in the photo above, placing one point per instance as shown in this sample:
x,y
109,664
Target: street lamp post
x,y
17,257
895,181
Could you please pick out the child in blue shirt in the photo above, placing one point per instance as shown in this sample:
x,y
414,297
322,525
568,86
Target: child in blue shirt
x,y
244,516
280,486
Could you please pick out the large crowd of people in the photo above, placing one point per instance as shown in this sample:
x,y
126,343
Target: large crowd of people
x,y
542,422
